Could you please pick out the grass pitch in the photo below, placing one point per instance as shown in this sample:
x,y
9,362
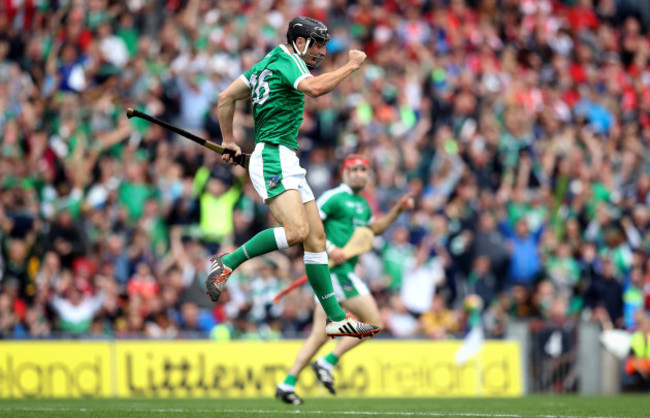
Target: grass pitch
x,y
530,406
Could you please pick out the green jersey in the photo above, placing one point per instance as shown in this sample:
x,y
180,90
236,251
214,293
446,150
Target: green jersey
x,y
342,211
277,103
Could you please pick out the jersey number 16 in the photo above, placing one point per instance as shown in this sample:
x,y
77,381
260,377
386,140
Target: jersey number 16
x,y
260,88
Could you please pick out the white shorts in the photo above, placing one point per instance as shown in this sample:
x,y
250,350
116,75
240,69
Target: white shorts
x,y
274,169
347,286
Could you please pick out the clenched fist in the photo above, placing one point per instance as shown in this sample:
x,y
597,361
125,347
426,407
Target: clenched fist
x,y
356,57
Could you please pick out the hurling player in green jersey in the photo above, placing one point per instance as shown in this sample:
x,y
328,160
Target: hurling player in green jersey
x,y
343,210
276,86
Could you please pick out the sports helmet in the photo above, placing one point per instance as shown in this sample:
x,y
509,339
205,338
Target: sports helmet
x,y
312,31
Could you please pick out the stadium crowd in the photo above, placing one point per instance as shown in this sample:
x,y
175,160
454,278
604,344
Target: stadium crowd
x,y
523,126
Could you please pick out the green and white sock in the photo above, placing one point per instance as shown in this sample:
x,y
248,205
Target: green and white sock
x,y
264,242
289,384
318,274
331,359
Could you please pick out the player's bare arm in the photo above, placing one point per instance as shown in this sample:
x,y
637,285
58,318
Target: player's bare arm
x,y
237,90
324,83
403,204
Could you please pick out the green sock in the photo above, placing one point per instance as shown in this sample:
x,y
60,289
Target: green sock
x,y
320,280
262,243
290,380
331,358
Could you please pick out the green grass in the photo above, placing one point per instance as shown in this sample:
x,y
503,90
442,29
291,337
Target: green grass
x,y
531,406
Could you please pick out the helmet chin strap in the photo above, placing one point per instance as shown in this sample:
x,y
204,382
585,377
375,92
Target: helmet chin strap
x,y
304,51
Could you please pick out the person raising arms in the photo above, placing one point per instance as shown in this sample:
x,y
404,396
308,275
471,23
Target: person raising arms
x,y
277,85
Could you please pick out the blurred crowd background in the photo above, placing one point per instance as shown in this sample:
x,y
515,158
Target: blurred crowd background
x,y
522,126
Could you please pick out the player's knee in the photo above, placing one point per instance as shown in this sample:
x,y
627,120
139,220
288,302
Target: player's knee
x,y
297,233
319,237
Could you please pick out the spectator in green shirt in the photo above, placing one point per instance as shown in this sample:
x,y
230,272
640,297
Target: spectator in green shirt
x,y
395,255
135,190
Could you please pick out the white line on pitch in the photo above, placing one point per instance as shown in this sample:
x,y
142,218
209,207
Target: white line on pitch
x,y
298,412
423,414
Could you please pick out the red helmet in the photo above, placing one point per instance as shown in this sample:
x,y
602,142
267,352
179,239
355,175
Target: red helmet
x,y
354,160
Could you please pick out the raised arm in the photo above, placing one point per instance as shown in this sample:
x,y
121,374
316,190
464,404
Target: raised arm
x,y
382,224
324,83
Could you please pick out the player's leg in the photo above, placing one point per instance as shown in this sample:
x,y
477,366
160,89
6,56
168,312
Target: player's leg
x,y
316,264
271,172
318,274
266,174
317,338
356,299
286,390
289,211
